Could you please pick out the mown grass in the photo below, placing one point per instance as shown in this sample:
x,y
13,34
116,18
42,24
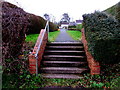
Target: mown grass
x,y
76,35
33,37
53,36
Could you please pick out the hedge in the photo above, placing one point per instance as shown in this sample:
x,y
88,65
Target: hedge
x,y
14,26
103,36
37,23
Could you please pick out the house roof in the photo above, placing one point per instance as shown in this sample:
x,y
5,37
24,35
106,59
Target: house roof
x,y
79,21
65,23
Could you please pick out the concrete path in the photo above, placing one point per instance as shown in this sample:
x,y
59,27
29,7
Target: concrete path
x,y
64,37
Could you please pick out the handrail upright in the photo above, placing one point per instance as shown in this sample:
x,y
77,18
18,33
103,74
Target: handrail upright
x,y
36,54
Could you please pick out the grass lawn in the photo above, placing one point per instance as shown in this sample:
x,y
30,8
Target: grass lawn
x,y
76,35
33,37
53,36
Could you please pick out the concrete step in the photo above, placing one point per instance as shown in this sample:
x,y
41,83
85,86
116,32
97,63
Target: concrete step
x,y
65,70
64,63
65,76
62,56
64,52
65,47
64,43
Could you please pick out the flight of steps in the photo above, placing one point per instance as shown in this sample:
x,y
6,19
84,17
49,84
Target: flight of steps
x,y
64,60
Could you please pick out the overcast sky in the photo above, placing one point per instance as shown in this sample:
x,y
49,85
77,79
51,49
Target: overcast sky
x,y
75,8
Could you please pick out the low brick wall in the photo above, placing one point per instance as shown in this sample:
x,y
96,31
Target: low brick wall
x,y
32,58
93,64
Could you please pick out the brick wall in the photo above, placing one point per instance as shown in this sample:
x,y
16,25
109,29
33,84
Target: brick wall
x,y
93,64
32,58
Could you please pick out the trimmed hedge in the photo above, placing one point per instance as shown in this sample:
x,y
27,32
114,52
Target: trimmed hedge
x,y
14,26
71,26
103,35
79,26
37,23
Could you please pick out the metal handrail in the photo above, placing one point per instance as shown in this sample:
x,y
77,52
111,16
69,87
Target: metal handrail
x,y
36,54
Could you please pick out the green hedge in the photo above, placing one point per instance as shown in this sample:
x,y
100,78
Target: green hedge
x,y
37,23
79,26
103,35
71,26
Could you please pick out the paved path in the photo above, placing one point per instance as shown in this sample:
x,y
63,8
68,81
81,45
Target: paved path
x,y
64,37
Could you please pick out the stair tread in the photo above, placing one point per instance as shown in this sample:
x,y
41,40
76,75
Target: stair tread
x,y
63,51
65,56
68,76
64,43
63,68
64,46
71,62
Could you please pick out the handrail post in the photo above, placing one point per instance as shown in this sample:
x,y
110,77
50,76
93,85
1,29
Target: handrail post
x,y
36,65
36,55
48,29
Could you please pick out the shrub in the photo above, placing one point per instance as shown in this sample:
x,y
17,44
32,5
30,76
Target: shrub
x,y
79,26
37,23
14,27
71,26
103,35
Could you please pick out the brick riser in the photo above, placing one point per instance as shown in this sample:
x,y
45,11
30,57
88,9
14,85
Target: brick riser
x,y
64,60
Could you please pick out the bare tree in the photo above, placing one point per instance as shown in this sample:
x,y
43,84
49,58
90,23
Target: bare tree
x,y
47,17
65,18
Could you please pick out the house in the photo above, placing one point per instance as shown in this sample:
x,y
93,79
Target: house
x,y
79,21
64,25
72,24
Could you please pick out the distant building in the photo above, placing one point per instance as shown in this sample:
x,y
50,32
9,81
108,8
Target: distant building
x,y
79,21
72,24
64,25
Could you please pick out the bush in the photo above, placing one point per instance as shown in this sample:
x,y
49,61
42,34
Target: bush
x,y
14,27
79,26
71,26
103,35
37,23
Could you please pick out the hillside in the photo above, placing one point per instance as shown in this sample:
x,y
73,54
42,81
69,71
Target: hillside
x,y
111,10
114,11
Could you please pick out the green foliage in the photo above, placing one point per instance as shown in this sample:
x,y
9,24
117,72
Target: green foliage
x,y
115,83
24,80
71,26
53,27
76,35
118,12
79,26
103,35
37,23
111,10
33,37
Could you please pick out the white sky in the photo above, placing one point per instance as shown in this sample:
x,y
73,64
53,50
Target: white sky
x,y
75,8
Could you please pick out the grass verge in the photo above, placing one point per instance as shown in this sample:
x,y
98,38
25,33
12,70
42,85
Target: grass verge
x,y
33,37
53,36
76,35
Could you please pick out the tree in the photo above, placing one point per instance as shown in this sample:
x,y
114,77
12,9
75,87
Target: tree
x,y
65,18
47,17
